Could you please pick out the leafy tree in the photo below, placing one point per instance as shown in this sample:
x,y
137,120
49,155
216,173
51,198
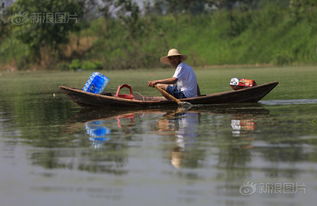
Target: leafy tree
x,y
303,9
126,11
4,27
40,23
4,24
199,6
129,14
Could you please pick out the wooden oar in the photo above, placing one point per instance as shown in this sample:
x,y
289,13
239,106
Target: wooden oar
x,y
171,97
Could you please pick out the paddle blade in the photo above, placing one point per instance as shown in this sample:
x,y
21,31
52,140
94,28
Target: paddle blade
x,y
185,105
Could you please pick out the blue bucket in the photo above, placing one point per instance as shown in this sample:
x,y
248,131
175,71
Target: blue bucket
x,y
96,83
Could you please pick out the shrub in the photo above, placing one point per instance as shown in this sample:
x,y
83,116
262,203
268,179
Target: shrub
x,y
76,64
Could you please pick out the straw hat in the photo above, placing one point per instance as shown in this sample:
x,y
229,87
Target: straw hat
x,y
172,52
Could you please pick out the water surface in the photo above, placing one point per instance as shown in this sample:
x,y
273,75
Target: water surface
x,y
53,152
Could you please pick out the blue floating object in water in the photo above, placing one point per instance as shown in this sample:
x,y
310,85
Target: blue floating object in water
x,y
96,83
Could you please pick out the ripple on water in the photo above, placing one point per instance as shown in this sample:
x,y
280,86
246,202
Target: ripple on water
x,y
289,101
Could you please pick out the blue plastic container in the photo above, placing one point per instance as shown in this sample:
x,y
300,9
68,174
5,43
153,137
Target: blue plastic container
x,y
96,83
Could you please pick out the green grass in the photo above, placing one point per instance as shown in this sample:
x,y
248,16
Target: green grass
x,y
295,82
270,35
267,36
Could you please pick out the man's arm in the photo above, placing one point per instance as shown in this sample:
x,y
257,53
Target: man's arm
x,y
171,80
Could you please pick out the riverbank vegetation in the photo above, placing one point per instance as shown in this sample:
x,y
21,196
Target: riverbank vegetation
x,y
123,35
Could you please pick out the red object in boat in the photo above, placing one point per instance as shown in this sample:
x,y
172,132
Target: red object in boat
x,y
236,83
125,96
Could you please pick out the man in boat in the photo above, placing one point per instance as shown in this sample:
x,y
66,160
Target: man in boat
x,y
183,84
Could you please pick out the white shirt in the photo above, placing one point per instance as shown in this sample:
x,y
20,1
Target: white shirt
x,y
186,80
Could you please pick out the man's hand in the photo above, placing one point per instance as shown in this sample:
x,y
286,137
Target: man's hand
x,y
152,83
172,80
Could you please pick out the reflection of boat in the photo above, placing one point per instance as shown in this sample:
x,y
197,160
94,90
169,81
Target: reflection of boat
x,y
120,116
247,95
88,114
183,131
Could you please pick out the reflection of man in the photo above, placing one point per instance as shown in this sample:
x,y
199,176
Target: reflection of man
x,y
176,157
186,134
187,129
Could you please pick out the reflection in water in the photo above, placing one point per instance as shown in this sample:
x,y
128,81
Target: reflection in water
x,y
243,126
289,102
240,125
185,127
207,153
98,133
198,157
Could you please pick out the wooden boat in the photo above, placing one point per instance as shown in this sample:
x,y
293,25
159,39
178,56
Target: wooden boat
x,y
246,95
